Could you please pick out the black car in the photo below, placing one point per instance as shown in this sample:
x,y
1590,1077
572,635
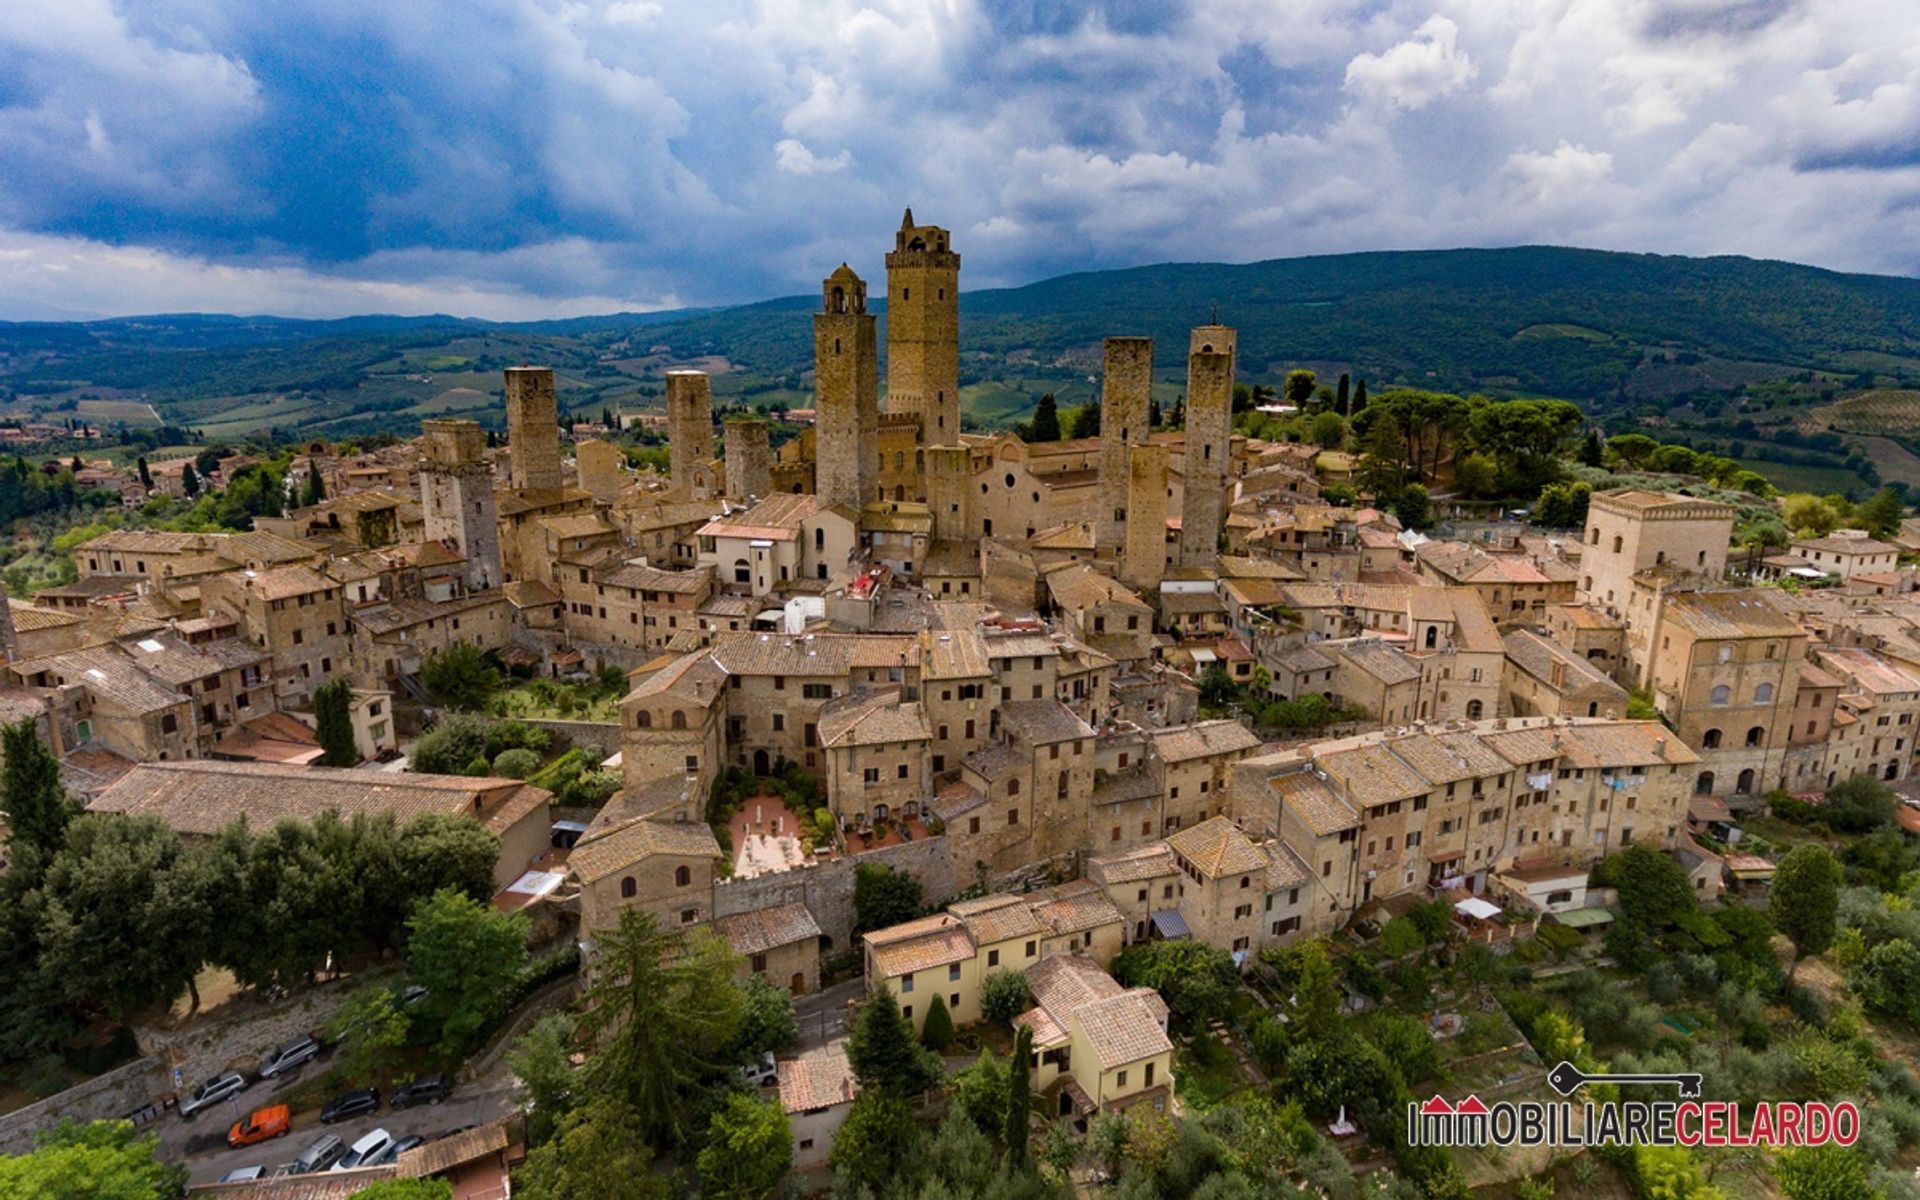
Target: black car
x,y
428,1089
352,1104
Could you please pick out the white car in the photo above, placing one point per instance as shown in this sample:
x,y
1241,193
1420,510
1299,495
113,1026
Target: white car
x,y
366,1151
759,1073
212,1092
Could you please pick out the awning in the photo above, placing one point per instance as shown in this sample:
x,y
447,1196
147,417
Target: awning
x,y
1584,918
1447,857
1478,909
1169,924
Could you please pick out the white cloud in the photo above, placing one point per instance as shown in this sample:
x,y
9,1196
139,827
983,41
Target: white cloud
x,y
1415,72
1567,174
792,156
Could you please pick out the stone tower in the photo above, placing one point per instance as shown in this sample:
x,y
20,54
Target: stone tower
x,y
949,468
846,384
1144,562
456,492
689,428
533,429
749,460
1125,391
598,464
1203,501
923,331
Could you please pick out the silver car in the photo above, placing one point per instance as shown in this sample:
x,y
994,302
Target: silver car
x,y
289,1056
212,1092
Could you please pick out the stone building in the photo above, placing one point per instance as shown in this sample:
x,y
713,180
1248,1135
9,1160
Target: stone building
x,y
293,613
949,471
1667,539
1126,393
690,432
599,466
1203,501
1144,560
846,387
749,460
456,496
1725,671
533,430
1546,679
923,331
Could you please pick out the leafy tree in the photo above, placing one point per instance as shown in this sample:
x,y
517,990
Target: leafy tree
x,y
1327,431
1477,474
1298,388
516,763
101,1161
332,702
601,1152
878,1137
1887,980
1861,804
1632,449
1407,1045
1086,421
1196,980
541,1061
749,1147
456,740
123,924
1019,1099
315,491
1359,395
883,897
1563,505
468,955
1827,1172
1804,897
1217,688
373,1027
1881,515
406,1189
1593,451
1807,515
883,1053
1046,420
981,1092
662,1009
1653,888
146,475
936,1032
462,677
447,850
1004,995
767,1023
1525,437
31,795
1383,462
1342,396
1431,426
1153,413
189,481
1412,507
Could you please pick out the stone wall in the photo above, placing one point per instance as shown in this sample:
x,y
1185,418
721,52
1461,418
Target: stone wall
x,y
104,1097
238,1042
827,888
603,736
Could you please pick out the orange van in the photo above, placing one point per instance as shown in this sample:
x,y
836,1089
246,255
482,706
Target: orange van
x,y
262,1123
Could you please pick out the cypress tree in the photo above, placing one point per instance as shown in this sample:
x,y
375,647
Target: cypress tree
x,y
1359,394
1342,394
189,482
316,491
34,799
1593,448
1046,419
1019,1103
332,701
936,1034
146,476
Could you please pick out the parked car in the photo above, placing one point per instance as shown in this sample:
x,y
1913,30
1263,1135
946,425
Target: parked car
x,y
244,1175
366,1152
262,1123
350,1104
428,1089
759,1073
413,994
212,1092
318,1157
289,1056
398,1148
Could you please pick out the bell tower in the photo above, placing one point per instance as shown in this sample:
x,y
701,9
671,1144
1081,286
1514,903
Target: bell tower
x,y
923,331
846,384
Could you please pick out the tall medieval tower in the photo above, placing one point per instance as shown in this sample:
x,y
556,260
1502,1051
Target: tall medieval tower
x,y
1203,500
533,429
749,460
923,331
1125,393
846,384
689,429
949,470
456,493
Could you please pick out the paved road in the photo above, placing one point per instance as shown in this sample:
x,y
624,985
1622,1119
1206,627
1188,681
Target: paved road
x,y
822,1016
202,1142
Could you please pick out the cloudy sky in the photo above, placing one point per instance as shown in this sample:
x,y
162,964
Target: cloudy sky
x,y
526,158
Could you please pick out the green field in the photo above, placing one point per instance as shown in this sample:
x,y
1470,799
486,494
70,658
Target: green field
x,y
1821,481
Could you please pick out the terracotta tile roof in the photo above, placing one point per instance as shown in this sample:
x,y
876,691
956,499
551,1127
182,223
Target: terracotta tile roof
x,y
1203,739
1216,847
1081,587
1075,907
1537,655
1122,1026
1151,861
108,674
872,717
1622,744
1388,664
410,611
531,593
641,577
1040,722
1285,869
1730,615
1000,918
766,929
668,794
444,1154
954,654
28,619
284,583
1870,671
173,660
822,654
994,763
931,941
203,796
609,851
818,1079
1308,797
1121,787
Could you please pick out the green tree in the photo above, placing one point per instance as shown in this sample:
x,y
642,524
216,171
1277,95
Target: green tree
x,y
1407,1045
32,797
662,1010
406,1189
1383,461
1298,388
1653,888
1563,505
189,481
468,955
1004,995
453,742
981,1092
1477,474
1881,515
883,896
1306,972
332,704
1343,396
314,491
936,1032
878,1137
448,850
767,1023
541,1062
1327,431
146,475
1804,898
101,1161
882,1050
1632,449
1860,804
1196,980
1086,421
1359,395
1019,1100
1827,1172
1887,980
600,1152
462,677
1413,507
516,763
1525,437
1217,688
749,1147
372,1028
1046,420
1593,450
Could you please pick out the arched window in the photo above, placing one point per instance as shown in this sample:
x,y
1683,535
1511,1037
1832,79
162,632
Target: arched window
x,y
628,888
1013,787
679,719
1704,784
1718,695
1756,735
1744,785
1593,708
742,571
1433,636
1593,536
1710,740
1618,541
1763,693
1725,654
1474,709
643,720
682,876
820,538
